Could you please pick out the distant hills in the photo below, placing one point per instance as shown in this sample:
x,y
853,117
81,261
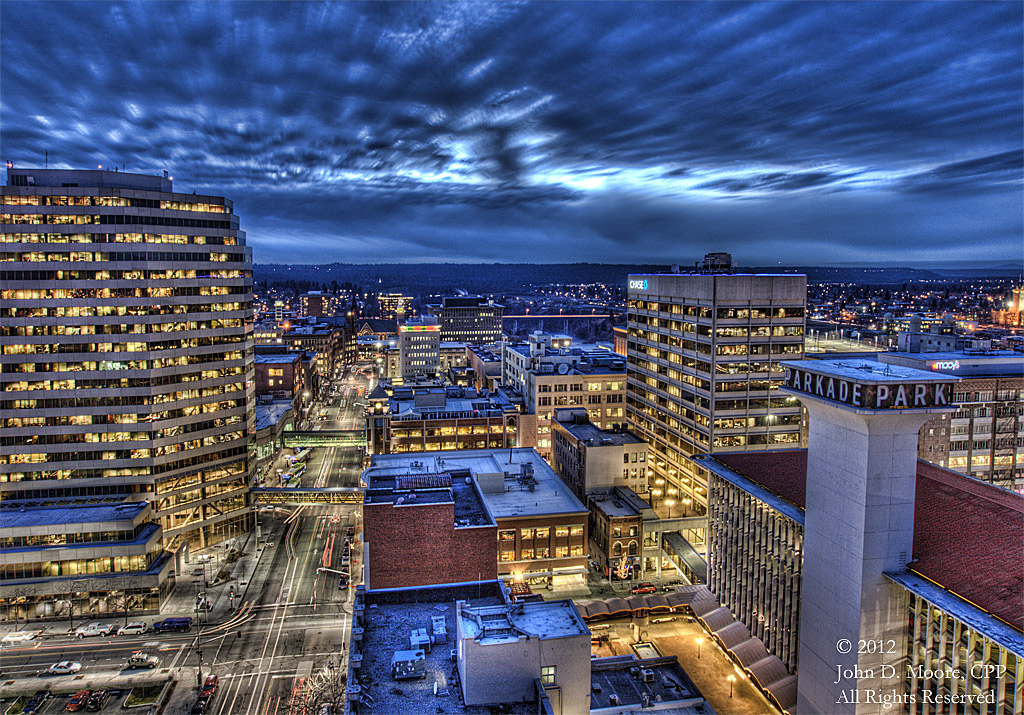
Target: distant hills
x,y
425,278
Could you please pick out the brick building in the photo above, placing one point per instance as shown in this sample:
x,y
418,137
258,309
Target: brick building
x,y
425,528
541,525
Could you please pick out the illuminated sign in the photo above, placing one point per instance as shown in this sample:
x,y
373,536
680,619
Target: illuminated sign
x,y
946,365
871,395
638,285
419,328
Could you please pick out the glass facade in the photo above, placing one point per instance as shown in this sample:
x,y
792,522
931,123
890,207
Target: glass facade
x,y
127,352
703,370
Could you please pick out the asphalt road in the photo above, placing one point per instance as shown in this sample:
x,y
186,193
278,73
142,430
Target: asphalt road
x,y
291,622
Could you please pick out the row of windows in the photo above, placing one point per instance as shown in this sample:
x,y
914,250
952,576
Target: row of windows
x,y
102,293
541,532
47,200
111,220
541,552
72,238
119,256
133,274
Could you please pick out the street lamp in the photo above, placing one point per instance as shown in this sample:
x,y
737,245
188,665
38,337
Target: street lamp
x,y
732,682
699,641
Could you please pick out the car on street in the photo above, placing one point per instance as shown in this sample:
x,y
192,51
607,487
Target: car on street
x,y
209,686
342,583
77,702
97,700
33,704
671,585
19,637
200,707
138,659
65,667
641,588
178,623
94,629
133,629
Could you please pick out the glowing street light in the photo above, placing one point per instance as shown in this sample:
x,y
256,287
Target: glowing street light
x,y
732,682
699,641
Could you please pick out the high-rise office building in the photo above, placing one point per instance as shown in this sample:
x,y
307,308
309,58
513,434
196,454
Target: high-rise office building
x,y
419,347
702,370
469,319
127,365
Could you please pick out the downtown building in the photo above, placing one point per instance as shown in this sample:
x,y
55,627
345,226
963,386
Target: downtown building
x,y
469,319
855,538
703,369
543,377
127,351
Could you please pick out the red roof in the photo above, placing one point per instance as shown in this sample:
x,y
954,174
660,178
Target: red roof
x,y
967,534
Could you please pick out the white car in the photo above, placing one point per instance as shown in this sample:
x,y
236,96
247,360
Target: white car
x,y
65,667
94,629
132,629
19,637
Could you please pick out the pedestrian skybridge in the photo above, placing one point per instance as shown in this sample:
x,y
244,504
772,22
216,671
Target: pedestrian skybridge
x,y
297,496
325,438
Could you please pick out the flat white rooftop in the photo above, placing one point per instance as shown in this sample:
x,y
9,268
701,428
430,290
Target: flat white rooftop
x,y
538,619
549,496
863,370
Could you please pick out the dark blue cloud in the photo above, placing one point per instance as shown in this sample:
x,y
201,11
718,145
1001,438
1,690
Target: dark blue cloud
x,y
544,131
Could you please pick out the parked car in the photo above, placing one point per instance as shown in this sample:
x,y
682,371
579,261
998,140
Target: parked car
x,y
209,686
19,637
138,659
65,667
343,582
77,702
132,629
200,707
671,585
643,588
35,702
94,629
97,700
172,624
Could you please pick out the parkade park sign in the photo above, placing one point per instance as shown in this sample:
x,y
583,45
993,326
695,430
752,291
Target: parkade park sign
x,y
871,395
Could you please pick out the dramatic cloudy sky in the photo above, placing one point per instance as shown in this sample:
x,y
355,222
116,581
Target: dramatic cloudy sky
x,y
793,133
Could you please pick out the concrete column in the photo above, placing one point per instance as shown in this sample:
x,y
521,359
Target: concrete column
x,y
859,523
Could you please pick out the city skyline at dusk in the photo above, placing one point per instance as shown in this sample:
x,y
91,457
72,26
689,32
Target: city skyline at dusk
x,y
799,133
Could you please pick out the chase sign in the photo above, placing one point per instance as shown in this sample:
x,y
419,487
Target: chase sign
x,y
638,284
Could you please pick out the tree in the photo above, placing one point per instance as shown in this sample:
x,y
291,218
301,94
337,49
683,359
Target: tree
x,y
324,687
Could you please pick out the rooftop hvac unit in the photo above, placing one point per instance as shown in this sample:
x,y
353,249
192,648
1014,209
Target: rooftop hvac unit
x,y
647,675
613,699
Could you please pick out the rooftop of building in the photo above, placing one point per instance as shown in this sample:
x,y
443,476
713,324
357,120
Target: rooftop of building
x,y
618,502
270,413
623,678
90,178
962,526
484,353
594,436
961,363
390,618
866,370
498,471
536,619
278,358
411,487
14,517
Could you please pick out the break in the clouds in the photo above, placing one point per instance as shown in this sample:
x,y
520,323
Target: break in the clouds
x,y
794,132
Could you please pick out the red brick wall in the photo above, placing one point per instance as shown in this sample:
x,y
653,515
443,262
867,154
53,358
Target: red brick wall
x,y
418,545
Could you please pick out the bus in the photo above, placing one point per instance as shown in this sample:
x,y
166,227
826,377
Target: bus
x,y
302,455
297,471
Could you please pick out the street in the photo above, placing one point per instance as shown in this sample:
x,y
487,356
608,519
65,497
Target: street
x,y
288,617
